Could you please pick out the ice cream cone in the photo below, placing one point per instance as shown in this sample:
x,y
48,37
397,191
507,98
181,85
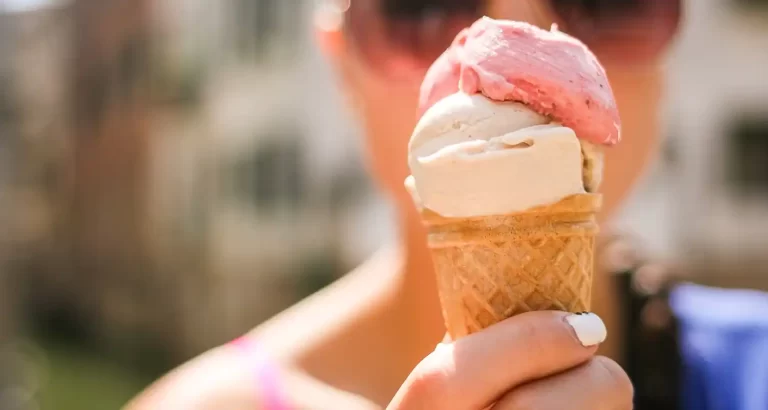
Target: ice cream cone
x,y
494,267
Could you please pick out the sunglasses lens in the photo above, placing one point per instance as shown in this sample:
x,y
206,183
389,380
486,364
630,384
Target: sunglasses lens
x,y
401,37
630,30
416,9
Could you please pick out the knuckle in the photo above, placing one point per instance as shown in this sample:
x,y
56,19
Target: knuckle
x,y
542,334
617,378
535,333
429,381
528,329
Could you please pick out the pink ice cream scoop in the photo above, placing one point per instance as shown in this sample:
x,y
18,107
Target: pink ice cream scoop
x,y
551,72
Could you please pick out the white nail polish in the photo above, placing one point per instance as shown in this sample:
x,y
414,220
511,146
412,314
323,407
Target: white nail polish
x,y
589,328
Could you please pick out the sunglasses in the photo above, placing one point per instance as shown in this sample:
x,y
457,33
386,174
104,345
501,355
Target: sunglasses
x,y
400,37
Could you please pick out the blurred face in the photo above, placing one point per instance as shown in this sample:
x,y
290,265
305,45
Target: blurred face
x,y
382,49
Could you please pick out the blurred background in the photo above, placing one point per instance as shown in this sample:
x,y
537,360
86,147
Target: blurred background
x,y
174,172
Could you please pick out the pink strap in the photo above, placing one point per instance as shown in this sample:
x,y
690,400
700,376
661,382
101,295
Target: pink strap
x,y
265,373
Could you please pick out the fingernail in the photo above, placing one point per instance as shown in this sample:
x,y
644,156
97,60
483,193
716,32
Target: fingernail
x,y
589,328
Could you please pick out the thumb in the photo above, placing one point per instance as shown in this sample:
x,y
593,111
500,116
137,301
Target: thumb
x,y
474,371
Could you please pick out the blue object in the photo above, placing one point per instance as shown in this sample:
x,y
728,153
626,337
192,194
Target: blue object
x,y
724,347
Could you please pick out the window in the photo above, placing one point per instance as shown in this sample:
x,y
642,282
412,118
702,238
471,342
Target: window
x,y
349,184
265,27
131,66
670,152
318,270
753,3
272,176
7,109
255,26
181,86
748,155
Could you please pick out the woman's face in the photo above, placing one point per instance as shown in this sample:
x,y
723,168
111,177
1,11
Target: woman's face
x,y
387,106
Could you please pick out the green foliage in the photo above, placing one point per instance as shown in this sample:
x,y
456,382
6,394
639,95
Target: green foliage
x,y
81,380
318,271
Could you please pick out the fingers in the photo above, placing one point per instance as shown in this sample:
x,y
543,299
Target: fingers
x,y
600,384
475,371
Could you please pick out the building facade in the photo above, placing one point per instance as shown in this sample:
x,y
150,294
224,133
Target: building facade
x,y
706,200
183,169
181,165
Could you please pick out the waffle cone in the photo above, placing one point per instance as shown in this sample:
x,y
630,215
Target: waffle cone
x,y
494,267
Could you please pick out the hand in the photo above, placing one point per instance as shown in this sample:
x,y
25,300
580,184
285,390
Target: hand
x,y
536,360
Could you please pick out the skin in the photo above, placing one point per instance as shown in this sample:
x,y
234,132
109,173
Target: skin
x,y
368,340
